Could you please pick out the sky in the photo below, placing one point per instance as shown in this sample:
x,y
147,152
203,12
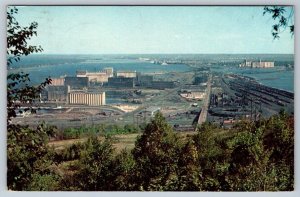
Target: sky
x,y
154,30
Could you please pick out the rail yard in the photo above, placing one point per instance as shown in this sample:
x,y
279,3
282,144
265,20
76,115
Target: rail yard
x,y
243,97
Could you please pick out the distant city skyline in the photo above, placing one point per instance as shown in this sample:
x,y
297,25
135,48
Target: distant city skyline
x,y
154,30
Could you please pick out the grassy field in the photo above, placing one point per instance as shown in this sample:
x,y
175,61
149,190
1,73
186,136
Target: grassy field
x,y
120,142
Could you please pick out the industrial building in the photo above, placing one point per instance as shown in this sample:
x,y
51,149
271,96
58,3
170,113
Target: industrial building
x,y
57,82
77,82
121,82
255,64
262,64
57,93
144,80
126,74
86,98
109,71
96,77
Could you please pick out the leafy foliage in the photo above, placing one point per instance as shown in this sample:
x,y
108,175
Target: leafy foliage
x,y
28,157
209,154
47,182
101,130
18,89
189,172
282,21
94,165
27,154
156,156
20,92
17,37
250,157
253,157
123,170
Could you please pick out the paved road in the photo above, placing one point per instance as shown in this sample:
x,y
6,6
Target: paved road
x,y
203,114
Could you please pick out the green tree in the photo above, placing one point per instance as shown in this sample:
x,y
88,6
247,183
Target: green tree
x,y
27,153
123,170
47,182
262,157
95,166
156,156
208,156
189,172
249,160
280,139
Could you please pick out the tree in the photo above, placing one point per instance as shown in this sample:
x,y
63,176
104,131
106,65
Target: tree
x,y
95,166
27,153
189,171
208,156
262,155
123,170
17,38
282,20
249,161
156,156
280,139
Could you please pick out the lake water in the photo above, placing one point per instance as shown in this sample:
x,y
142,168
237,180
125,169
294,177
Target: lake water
x,y
278,77
40,67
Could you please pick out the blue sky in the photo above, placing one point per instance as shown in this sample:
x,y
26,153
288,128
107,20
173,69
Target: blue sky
x,y
166,29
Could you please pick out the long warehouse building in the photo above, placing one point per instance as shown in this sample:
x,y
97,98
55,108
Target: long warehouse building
x,y
86,98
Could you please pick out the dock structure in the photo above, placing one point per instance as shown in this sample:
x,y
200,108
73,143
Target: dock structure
x,y
204,109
